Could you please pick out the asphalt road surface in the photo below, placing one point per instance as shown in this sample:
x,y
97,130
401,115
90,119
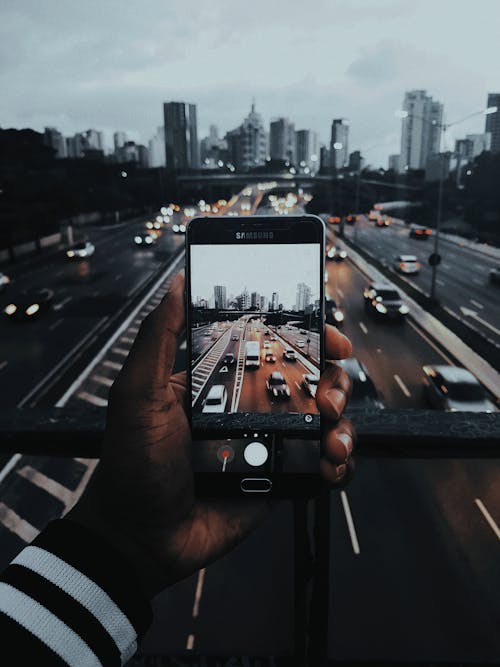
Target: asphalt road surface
x,y
415,545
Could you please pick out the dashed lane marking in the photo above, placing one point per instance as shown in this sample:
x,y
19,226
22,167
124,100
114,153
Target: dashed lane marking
x,y
490,520
476,303
3,364
17,524
112,364
199,591
120,350
402,386
100,379
56,324
91,398
340,293
190,643
126,340
350,523
363,327
432,344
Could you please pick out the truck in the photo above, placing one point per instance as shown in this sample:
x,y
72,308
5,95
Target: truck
x,y
252,354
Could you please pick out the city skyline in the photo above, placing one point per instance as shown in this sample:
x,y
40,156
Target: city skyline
x,y
117,82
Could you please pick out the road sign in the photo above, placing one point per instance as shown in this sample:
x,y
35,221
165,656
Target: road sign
x,y
434,259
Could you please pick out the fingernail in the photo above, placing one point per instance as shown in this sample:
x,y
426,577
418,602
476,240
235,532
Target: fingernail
x,y
341,471
346,440
337,398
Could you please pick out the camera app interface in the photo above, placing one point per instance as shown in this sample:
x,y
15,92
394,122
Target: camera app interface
x,y
256,318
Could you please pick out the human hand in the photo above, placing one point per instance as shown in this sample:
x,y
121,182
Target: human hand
x,y
142,497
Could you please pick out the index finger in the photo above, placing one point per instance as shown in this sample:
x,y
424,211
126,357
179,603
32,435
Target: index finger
x,y
337,346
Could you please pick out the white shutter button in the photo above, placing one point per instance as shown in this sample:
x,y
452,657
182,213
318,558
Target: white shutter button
x,y
255,454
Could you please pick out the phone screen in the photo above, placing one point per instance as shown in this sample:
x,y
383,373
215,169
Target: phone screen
x,y
256,327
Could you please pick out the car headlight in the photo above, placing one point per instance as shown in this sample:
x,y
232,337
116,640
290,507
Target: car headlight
x,y
343,254
331,253
138,240
149,240
338,316
70,253
10,309
175,228
182,228
149,225
404,310
33,309
381,308
275,392
287,391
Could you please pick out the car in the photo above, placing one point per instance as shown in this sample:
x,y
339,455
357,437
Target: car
x,y
419,232
4,280
300,343
310,384
235,337
455,389
289,355
277,386
407,264
144,239
384,302
80,250
336,253
373,215
28,304
272,337
302,331
334,315
267,344
334,220
495,275
351,218
382,222
228,359
270,358
216,399
364,393
267,332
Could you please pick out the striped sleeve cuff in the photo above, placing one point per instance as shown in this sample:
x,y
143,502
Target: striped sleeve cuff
x,y
75,598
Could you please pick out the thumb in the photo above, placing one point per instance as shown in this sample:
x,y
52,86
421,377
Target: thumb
x,y
150,361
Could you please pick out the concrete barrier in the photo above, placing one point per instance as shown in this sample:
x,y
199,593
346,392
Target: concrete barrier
x,y
24,248
52,239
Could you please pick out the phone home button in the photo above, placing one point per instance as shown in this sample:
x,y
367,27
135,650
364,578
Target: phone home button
x,y
256,485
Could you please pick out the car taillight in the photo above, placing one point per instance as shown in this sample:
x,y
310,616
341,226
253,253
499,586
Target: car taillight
x,y
427,231
418,265
419,231
402,265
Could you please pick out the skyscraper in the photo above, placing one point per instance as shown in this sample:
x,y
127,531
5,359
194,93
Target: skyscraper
x,y
157,148
247,144
493,122
307,150
181,135
339,143
303,298
421,129
55,140
282,140
394,162
274,301
255,300
119,140
220,298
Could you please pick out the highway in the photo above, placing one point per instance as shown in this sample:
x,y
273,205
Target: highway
x,y
415,545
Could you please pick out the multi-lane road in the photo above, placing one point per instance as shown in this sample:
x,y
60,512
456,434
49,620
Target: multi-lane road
x,y
415,546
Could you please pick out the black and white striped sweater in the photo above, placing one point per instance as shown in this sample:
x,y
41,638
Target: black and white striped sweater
x,y
69,598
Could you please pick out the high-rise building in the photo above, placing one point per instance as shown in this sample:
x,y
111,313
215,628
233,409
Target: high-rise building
x,y
247,144
55,140
307,151
274,301
355,161
220,297
132,152
324,157
213,149
93,140
90,143
255,300
263,302
282,140
394,162
421,129
181,135
243,300
479,143
493,122
339,143
303,298
119,140
157,148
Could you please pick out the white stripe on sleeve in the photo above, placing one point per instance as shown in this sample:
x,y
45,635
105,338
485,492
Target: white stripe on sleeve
x,y
44,625
86,592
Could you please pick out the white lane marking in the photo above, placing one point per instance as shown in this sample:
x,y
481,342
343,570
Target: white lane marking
x,y
340,293
446,266
3,364
476,303
183,345
402,386
127,340
90,398
133,330
441,283
119,276
112,364
297,384
350,523
430,342
199,591
363,328
478,266
56,324
491,521
120,350
477,281
17,524
100,379
190,643
62,303
9,466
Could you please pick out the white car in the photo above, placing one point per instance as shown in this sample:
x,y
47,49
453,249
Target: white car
x,y
407,264
4,280
310,384
267,343
216,399
81,250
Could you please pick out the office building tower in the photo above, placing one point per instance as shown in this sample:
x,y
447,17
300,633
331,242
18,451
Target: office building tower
x,y
356,161
274,301
263,303
220,298
247,144
479,143
157,148
282,140
181,135
324,158
307,151
303,298
394,162
339,144
421,129
119,140
493,122
213,150
55,140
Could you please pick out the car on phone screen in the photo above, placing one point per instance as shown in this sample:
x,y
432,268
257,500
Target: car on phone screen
x,y
384,302
267,344
364,394
407,264
270,358
455,389
216,399
310,384
495,275
235,337
289,355
28,304
419,232
300,343
277,385
228,359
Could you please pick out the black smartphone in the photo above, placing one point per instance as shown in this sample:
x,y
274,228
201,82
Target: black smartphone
x,y
255,336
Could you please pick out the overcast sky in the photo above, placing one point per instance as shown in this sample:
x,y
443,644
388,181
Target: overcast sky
x,y
260,268
110,65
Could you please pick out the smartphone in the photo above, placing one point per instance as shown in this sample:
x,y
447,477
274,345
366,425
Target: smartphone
x,y
255,338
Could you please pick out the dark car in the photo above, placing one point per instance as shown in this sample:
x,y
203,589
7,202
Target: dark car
x,y
336,253
455,389
228,359
270,358
384,302
28,304
277,386
364,393
495,275
419,232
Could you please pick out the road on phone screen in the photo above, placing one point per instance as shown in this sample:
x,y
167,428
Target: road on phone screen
x,y
415,545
